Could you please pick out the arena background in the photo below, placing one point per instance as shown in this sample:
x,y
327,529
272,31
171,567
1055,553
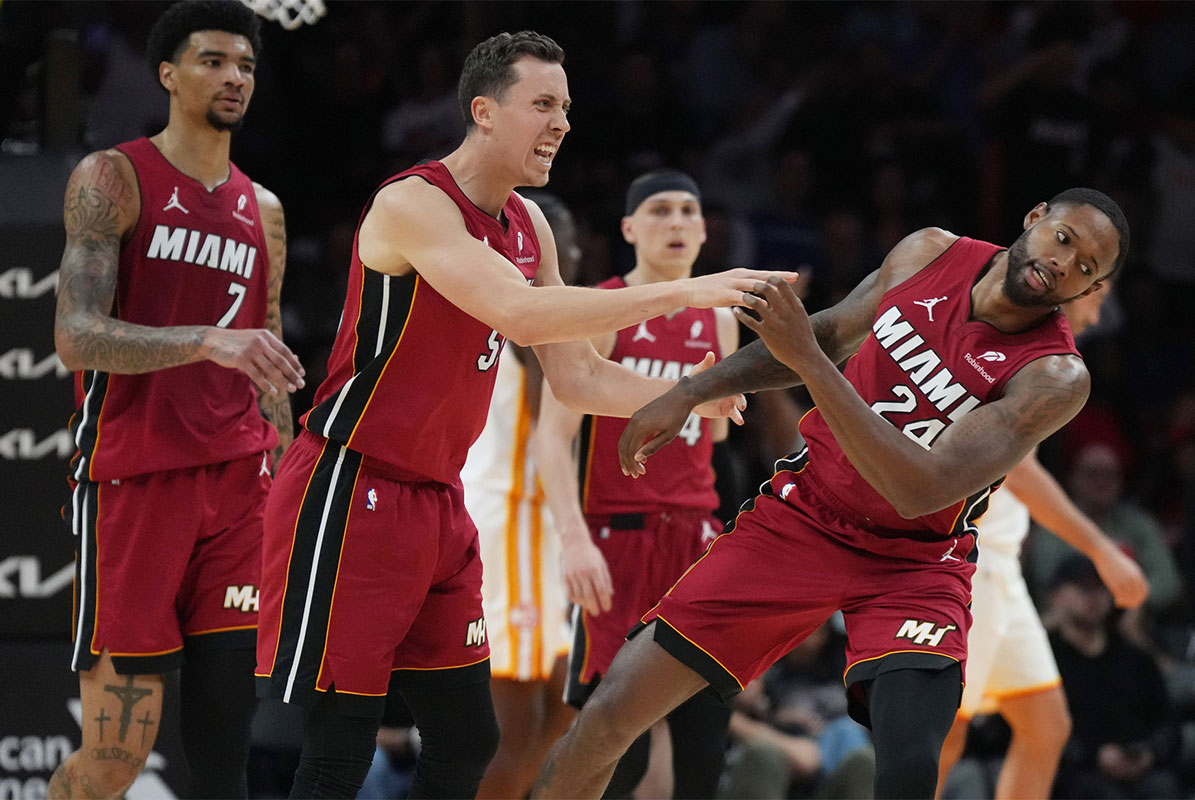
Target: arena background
x,y
820,133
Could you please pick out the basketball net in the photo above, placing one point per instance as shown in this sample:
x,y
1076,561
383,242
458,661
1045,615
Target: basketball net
x,y
290,14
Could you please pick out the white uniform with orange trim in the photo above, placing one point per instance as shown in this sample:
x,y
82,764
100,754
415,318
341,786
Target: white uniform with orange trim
x,y
1008,653
522,587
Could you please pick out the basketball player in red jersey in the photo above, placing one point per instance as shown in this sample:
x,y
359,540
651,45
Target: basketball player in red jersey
x,y
961,364
371,564
168,309
624,542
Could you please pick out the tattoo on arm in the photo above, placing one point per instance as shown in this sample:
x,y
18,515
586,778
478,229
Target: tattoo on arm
x,y
1055,399
276,408
97,206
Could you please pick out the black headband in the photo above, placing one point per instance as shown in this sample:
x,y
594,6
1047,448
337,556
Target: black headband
x,y
656,181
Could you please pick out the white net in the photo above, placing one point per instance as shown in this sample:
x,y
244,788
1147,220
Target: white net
x,y
290,14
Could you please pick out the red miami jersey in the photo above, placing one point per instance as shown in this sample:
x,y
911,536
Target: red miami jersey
x,y
680,473
925,364
194,258
410,375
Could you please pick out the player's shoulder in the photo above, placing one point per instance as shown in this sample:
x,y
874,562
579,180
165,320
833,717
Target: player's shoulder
x,y
927,244
103,187
532,207
103,167
1056,380
913,253
415,195
266,199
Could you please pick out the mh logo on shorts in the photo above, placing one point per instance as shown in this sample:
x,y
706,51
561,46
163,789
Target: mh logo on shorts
x,y
242,597
924,633
475,635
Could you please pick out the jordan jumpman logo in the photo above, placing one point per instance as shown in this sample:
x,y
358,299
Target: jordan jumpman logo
x,y
929,305
643,333
174,203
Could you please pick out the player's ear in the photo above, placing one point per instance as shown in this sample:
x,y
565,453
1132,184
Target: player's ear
x,y
1035,214
628,231
1092,289
166,75
482,108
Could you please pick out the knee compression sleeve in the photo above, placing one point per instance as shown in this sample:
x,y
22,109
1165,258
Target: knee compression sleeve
x,y
337,751
216,705
458,732
911,712
698,727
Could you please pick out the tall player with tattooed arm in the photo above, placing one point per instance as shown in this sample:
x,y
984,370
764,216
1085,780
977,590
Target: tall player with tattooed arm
x,y
168,308
962,363
372,578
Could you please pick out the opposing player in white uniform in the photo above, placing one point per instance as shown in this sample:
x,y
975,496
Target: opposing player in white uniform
x,y
522,586
1010,668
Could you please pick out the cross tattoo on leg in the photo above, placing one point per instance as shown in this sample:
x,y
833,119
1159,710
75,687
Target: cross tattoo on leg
x,y
145,722
129,696
101,719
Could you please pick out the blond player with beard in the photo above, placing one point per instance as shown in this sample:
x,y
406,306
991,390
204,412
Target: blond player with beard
x,y
1010,668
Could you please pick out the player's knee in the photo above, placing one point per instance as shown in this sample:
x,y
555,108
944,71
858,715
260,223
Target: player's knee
x,y
1053,735
602,725
483,745
907,771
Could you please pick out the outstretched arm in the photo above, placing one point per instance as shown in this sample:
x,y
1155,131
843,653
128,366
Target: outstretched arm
x,y
838,331
101,207
275,407
413,226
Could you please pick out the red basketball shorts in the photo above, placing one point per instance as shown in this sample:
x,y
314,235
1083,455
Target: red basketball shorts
x,y
365,574
645,554
782,571
164,556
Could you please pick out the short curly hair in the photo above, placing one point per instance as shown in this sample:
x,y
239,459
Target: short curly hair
x,y
172,32
488,69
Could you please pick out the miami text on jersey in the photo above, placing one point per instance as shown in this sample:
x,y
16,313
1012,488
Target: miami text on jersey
x,y
196,247
940,388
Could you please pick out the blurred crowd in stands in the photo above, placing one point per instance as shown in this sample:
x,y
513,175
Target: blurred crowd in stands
x,y
821,134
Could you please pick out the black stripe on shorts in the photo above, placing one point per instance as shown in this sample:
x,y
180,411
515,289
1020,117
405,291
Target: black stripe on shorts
x,y
311,575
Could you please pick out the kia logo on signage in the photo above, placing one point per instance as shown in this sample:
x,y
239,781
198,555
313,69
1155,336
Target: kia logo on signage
x,y
22,444
21,576
21,364
18,284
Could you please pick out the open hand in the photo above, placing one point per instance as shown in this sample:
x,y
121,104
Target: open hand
x,y
650,428
586,575
775,312
731,407
258,353
727,288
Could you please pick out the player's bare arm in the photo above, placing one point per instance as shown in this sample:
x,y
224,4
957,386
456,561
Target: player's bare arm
x,y
1050,506
586,575
580,373
275,406
838,332
414,227
100,210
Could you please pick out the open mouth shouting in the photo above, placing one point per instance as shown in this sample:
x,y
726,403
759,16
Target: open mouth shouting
x,y
544,153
